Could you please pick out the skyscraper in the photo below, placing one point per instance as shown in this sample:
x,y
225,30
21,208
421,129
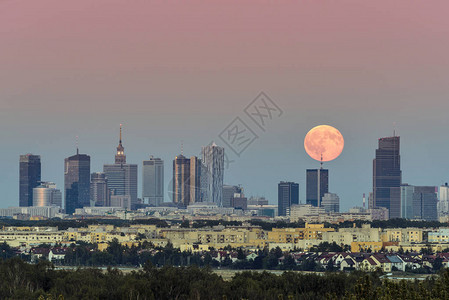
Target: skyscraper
x,y
76,182
443,200
213,160
407,201
99,191
196,169
29,177
181,180
153,181
122,177
47,195
317,184
425,200
387,175
288,195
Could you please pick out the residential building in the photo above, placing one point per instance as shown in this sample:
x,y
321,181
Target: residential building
x,y
298,212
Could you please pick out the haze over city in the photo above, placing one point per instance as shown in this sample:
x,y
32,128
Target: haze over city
x,y
182,71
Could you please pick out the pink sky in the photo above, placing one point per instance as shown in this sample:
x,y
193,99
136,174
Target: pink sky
x,y
173,70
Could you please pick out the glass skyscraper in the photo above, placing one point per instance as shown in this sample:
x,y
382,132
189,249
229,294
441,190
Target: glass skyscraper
x,y
387,176
288,195
181,180
29,177
99,191
213,160
153,181
317,184
76,182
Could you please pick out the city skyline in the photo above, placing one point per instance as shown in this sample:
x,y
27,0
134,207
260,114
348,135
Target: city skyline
x,y
121,159
360,68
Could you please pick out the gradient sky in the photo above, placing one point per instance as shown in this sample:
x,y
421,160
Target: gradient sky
x,y
182,70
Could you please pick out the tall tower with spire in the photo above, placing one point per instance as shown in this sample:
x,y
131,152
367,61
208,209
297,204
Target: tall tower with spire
x,y
120,157
122,177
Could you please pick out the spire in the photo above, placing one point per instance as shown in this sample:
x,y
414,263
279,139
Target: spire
x,y
77,148
321,162
120,140
120,157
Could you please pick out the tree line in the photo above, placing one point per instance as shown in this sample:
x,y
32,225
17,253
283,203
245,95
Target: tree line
x,y
21,280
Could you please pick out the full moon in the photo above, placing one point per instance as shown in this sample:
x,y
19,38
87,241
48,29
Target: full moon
x,y
324,143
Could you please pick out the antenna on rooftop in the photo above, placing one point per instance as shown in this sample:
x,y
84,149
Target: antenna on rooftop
x,y
77,144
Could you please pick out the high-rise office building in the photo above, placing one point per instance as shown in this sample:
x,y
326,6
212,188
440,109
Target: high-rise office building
x,y
47,195
387,175
443,200
76,182
425,200
418,202
228,193
29,177
196,169
213,160
288,195
122,177
181,180
99,191
406,201
331,202
153,181
317,184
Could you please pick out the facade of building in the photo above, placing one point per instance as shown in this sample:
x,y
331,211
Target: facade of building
x,y
257,201
288,195
425,200
331,202
47,195
407,201
387,175
122,177
228,193
213,160
443,200
181,180
419,202
29,178
76,182
239,202
196,169
99,191
317,184
153,181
